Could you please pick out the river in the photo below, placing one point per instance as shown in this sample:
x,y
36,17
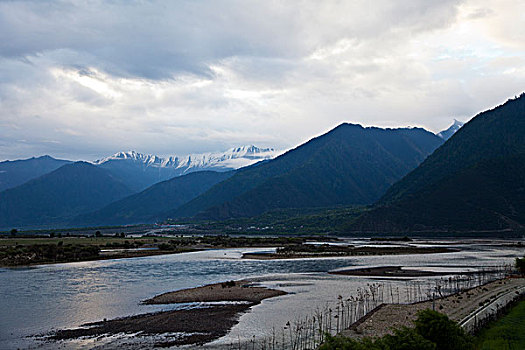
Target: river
x,y
39,299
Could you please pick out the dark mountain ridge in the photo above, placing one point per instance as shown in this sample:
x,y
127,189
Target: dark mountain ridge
x,y
348,165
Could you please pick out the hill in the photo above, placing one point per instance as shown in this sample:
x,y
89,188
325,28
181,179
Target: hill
x,y
147,205
16,172
473,182
55,197
348,165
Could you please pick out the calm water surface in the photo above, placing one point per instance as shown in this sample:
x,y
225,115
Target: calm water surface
x,y
39,299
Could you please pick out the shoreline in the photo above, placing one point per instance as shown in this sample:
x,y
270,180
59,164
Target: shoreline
x,y
190,326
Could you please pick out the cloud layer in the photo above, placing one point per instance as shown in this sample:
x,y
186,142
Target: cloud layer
x,y
85,79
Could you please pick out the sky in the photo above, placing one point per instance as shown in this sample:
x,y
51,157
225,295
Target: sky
x,y
86,79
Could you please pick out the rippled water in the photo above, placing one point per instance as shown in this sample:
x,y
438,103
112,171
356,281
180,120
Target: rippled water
x,y
39,299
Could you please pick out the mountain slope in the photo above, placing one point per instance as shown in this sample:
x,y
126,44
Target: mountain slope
x,y
52,198
16,172
348,165
145,206
140,171
496,133
473,182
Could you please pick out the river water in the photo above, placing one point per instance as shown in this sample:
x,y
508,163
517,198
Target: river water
x,y
39,299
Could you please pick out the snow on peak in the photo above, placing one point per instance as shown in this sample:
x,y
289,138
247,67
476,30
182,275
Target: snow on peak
x,y
131,155
233,158
446,134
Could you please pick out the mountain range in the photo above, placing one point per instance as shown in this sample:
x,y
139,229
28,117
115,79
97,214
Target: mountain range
x,y
474,182
346,166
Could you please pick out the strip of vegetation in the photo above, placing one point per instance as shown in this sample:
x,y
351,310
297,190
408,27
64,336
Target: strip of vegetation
x,y
46,253
391,239
20,250
432,331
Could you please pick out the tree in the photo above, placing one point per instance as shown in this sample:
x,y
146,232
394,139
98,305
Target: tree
x,y
406,339
14,232
439,329
520,265
98,234
343,343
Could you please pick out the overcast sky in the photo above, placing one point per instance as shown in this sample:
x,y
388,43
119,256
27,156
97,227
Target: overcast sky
x,y
85,79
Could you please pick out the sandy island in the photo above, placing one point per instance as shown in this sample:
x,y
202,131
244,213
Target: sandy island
x,y
399,271
325,251
194,326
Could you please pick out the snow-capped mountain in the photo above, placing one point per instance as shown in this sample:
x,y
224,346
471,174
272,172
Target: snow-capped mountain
x,y
144,170
446,134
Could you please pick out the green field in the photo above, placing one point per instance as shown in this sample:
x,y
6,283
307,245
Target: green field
x,y
508,333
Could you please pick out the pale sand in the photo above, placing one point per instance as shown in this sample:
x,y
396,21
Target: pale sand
x,y
226,291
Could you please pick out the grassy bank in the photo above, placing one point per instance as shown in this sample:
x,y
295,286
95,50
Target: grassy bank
x,y
508,333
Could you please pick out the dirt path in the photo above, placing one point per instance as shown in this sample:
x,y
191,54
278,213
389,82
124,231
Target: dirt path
x,y
456,307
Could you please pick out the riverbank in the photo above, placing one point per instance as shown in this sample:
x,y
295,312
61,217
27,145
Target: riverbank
x,y
190,326
458,306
